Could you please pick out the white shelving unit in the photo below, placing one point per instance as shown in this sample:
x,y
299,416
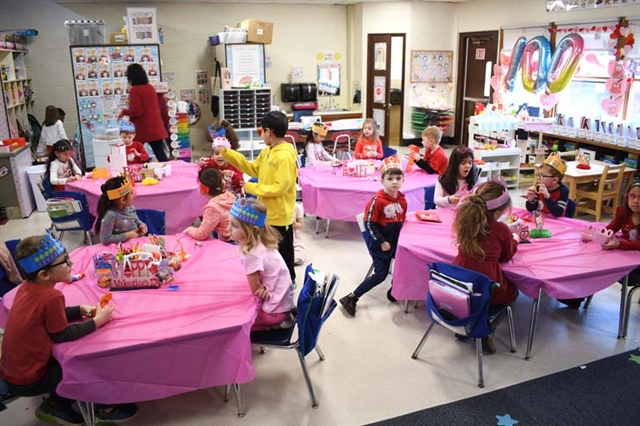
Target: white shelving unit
x,y
17,96
503,162
244,109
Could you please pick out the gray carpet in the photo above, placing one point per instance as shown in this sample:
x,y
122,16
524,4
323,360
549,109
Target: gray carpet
x,y
606,392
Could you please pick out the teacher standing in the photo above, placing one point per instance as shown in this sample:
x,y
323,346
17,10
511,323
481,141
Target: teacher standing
x,y
144,112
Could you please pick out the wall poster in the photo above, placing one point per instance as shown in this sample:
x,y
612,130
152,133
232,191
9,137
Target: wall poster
x,y
246,64
431,66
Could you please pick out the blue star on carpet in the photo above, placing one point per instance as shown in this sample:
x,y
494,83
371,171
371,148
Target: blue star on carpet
x,y
506,420
634,358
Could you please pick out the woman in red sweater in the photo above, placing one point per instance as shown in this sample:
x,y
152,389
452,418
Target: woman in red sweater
x,y
144,112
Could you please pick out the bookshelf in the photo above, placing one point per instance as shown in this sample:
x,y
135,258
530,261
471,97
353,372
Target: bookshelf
x,y
17,99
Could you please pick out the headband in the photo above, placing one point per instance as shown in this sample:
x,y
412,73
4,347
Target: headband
x,y
50,250
127,126
117,193
62,145
319,128
554,160
501,200
243,210
391,162
221,141
205,189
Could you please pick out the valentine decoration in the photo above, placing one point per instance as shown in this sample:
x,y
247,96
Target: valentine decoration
x,y
539,232
621,41
616,86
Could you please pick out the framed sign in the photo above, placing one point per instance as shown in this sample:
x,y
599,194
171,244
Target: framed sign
x,y
431,66
143,25
246,64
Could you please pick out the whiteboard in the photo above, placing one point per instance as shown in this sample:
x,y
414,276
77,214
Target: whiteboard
x,y
246,64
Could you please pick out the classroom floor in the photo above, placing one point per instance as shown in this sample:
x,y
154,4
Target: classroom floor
x,y
368,374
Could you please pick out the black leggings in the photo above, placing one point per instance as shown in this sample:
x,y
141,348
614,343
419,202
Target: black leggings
x,y
286,248
47,384
160,149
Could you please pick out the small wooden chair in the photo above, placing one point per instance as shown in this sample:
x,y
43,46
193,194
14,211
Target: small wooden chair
x,y
593,199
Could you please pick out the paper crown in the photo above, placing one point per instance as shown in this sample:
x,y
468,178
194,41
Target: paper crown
x,y
319,128
124,189
127,126
502,199
389,163
221,141
49,251
554,160
243,210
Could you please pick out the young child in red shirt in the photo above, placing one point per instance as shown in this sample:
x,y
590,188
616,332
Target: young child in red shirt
x,y
234,179
38,319
136,154
435,160
369,146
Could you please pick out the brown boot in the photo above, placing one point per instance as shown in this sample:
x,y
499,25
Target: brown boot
x,y
487,345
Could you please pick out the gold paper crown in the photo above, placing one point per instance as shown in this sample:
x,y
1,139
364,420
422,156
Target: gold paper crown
x,y
554,160
389,163
319,128
115,194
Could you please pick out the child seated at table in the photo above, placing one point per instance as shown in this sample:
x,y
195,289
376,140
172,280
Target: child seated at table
x,y
298,243
313,149
369,146
452,188
136,154
216,212
61,167
549,194
37,320
117,220
435,159
266,270
484,242
234,180
383,219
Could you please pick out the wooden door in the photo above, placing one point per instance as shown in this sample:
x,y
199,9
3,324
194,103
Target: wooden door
x,y
477,53
379,82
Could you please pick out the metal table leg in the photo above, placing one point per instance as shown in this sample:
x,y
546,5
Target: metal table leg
x,y
88,413
623,301
535,308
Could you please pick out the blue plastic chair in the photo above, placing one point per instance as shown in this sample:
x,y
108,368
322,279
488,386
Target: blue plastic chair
x,y
5,284
154,219
388,152
477,324
429,198
12,245
78,221
5,396
309,320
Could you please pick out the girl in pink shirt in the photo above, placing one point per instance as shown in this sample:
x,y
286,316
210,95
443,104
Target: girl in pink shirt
x,y
216,211
266,270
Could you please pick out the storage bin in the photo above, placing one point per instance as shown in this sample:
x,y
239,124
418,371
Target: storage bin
x,y
83,33
35,174
503,164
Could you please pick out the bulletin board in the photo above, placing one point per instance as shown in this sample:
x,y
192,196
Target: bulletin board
x,y
431,66
246,64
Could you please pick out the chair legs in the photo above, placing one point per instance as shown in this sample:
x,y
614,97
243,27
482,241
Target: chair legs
x,y
588,302
88,412
512,331
61,235
424,339
307,378
236,390
479,358
627,312
327,223
320,353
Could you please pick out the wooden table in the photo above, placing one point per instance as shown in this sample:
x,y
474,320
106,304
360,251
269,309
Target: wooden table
x,y
574,176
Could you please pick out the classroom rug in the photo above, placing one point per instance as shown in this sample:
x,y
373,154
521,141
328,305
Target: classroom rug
x,y
604,392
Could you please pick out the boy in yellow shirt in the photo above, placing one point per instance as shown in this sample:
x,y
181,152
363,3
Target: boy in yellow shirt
x,y
277,173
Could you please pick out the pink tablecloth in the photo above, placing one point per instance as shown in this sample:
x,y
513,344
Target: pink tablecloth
x,y
339,197
161,343
563,266
177,195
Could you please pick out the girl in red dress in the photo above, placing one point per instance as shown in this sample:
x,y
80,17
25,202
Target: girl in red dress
x,y
484,242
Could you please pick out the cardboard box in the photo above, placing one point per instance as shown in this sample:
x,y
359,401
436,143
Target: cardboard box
x,y
257,31
118,38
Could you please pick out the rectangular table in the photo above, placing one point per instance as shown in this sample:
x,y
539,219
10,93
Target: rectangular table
x,y
574,176
561,266
160,343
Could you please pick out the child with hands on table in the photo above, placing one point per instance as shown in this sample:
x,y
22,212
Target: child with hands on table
x,y
117,220
38,319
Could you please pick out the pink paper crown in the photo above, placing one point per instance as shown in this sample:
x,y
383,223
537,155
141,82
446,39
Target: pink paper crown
x,y
221,141
391,162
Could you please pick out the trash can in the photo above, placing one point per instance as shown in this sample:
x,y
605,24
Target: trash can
x,y
35,174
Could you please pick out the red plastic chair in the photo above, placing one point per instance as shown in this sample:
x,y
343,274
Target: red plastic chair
x,y
341,143
292,137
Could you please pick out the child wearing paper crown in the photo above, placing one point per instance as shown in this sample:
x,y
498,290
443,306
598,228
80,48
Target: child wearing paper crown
x,y
458,179
383,219
234,180
37,320
136,154
484,242
61,167
435,159
266,270
314,150
216,212
549,195
369,146
117,220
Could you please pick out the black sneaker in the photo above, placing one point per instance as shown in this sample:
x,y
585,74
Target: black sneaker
x,y
115,414
62,414
349,304
461,337
572,303
390,296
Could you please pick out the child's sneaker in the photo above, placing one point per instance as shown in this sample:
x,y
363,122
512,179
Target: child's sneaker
x,y
349,303
62,414
115,414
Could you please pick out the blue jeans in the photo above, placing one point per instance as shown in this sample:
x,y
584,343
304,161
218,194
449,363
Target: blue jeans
x,y
381,265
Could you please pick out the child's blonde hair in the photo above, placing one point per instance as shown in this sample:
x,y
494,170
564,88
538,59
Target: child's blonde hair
x,y
472,218
551,171
373,124
255,235
434,133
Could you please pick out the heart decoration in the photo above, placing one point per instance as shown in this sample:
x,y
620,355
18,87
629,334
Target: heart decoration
x,y
549,101
496,83
612,106
616,86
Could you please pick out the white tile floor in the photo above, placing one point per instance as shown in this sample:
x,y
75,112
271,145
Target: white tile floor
x,y
368,374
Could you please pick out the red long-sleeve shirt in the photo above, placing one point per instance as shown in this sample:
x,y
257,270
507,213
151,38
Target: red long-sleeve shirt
x,y
145,113
630,233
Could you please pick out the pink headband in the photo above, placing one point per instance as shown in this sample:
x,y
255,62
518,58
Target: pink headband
x,y
221,141
501,200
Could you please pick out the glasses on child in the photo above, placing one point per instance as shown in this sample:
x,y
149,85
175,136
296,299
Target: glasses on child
x,y
66,260
541,176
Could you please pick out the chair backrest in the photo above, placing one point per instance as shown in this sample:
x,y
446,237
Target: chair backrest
x,y
477,324
388,152
314,309
12,245
429,197
341,137
570,211
154,219
363,229
611,180
72,211
45,187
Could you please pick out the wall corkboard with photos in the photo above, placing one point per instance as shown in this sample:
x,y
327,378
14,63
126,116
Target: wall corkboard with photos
x,y
431,66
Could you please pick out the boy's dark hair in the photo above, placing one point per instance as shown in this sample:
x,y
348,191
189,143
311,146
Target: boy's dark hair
x,y
212,178
104,204
392,172
136,75
27,247
61,113
277,122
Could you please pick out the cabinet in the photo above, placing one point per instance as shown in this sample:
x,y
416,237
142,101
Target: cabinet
x,y
244,110
17,199
603,149
17,96
500,162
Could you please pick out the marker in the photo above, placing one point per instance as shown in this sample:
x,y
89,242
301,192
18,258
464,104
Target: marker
x,y
76,277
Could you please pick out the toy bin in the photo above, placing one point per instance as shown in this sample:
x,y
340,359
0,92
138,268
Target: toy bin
x,y
35,174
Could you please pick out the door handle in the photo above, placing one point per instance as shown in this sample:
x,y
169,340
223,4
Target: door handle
x,y
389,106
